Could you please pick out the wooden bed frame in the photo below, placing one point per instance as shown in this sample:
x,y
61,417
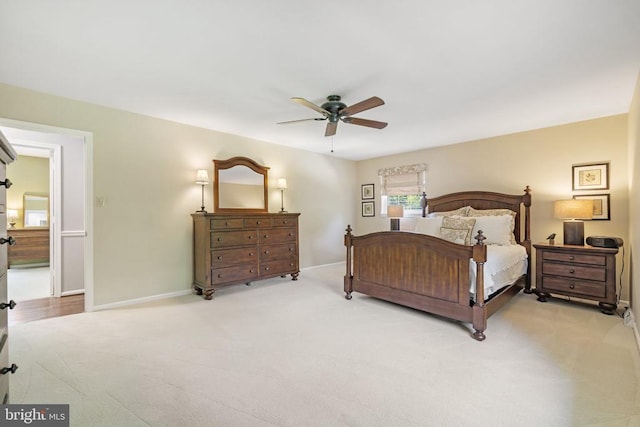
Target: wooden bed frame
x,y
431,274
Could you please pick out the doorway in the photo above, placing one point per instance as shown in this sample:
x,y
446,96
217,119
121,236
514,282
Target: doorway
x,y
69,151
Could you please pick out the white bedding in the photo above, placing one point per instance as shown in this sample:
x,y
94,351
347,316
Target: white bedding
x,y
504,265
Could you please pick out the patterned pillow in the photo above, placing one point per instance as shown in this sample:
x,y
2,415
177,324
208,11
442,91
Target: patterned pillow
x,y
497,212
454,235
460,224
459,212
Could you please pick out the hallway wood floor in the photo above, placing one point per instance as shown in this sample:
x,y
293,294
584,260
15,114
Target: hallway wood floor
x,y
44,308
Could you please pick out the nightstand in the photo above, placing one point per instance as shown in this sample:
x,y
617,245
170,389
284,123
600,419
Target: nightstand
x,y
577,271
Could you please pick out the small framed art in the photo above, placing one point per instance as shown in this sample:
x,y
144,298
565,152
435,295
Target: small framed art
x,y
367,191
601,210
368,209
591,177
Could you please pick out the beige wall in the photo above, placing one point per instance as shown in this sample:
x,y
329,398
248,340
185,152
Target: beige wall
x,y
144,168
634,187
540,158
29,175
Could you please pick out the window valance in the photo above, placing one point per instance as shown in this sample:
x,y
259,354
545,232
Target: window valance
x,y
403,180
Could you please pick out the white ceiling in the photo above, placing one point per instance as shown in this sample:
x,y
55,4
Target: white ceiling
x,y
449,71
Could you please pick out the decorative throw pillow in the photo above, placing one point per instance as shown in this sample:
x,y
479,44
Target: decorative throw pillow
x,y
454,235
496,212
458,223
459,212
496,229
429,226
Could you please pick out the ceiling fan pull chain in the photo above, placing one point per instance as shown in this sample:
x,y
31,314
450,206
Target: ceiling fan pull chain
x,y
332,144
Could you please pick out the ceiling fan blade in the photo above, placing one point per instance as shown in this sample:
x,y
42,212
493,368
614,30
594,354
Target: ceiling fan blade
x,y
364,122
300,120
367,104
311,105
331,129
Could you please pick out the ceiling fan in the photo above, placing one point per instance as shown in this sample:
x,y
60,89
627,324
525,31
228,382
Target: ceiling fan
x,y
335,110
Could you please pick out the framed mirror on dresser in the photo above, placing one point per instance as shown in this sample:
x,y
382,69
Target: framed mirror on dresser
x,y
241,241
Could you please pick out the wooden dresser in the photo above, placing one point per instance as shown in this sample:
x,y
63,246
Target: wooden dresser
x,y
7,155
242,248
577,271
32,246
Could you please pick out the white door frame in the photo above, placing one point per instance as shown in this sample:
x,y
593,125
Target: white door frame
x,y
57,197
55,190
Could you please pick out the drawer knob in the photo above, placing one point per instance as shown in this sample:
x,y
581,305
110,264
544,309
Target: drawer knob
x,y
572,271
266,252
13,368
219,239
251,254
220,257
250,237
572,257
7,183
11,241
266,269
572,286
11,304
219,276
251,271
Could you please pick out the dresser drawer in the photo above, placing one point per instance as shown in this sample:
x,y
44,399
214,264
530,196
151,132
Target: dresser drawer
x,y
278,235
574,258
280,266
234,274
223,239
229,257
574,271
282,251
576,287
257,222
285,221
226,223
4,361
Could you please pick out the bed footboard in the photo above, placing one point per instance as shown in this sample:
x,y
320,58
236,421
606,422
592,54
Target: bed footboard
x,y
419,271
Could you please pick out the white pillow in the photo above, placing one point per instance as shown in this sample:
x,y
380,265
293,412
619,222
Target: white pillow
x,y
497,229
429,226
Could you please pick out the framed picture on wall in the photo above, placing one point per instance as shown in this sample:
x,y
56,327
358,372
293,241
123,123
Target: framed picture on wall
x,y
591,177
368,209
601,210
367,191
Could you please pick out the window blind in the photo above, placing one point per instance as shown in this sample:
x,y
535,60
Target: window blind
x,y
403,180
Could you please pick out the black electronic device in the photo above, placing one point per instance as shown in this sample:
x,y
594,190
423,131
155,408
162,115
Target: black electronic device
x,y
604,241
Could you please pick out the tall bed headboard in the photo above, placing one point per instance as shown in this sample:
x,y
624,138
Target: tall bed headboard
x,y
520,204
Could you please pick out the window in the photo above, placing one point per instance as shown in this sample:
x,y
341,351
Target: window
x,y
403,185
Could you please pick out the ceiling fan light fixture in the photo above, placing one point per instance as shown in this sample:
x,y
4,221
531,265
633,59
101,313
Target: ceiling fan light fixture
x,y
335,110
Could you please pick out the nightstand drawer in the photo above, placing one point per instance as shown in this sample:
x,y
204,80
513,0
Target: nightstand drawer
x,y
577,287
574,271
577,258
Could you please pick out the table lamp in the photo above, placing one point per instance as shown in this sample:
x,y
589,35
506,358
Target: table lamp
x,y
395,212
573,211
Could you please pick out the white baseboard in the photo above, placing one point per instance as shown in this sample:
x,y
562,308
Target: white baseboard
x,y
142,300
321,265
76,292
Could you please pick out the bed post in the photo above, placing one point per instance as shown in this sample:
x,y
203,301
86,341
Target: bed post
x,y
479,313
527,235
348,277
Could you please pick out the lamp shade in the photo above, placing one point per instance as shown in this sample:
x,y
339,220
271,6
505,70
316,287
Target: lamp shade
x,y
202,177
395,211
573,209
282,183
12,213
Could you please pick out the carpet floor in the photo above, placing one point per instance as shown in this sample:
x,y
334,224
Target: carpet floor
x,y
296,353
